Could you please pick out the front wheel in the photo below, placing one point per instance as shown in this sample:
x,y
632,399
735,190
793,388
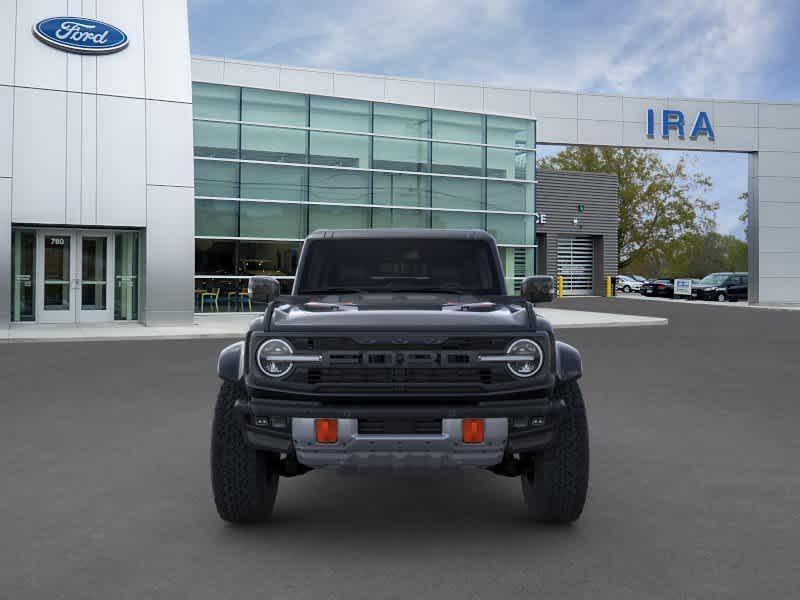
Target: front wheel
x,y
244,481
627,289
556,486
721,297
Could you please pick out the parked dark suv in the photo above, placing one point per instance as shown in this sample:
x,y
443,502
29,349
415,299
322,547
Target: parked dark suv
x,y
721,287
400,349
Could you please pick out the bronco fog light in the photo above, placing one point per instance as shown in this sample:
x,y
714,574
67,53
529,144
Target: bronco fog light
x,y
472,431
327,430
274,358
524,358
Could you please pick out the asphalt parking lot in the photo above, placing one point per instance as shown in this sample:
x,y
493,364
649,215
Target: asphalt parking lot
x,y
695,481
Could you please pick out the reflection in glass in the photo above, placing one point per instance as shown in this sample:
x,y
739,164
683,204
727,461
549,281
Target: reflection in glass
x,y
214,257
401,190
265,219
334,185
215,101
457,193
509,196
387,217
276,259
216,217
273,182
457,126
93,273
338,113
506,131
456,220
457,160
509,164
406,121
266,106
23,265
212,178
217,140
400,155
273,144
126,276
339,150
56,273
337,217
510,229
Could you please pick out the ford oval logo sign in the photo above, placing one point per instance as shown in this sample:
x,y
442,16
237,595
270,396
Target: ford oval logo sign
x,y
84,36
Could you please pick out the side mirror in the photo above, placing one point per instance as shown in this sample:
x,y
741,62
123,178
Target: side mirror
x,y
263,289
538,288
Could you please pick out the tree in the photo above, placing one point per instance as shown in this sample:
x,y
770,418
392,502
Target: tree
x,y
658,202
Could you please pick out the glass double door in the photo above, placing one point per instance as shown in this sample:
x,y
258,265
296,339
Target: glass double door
x,y
74,278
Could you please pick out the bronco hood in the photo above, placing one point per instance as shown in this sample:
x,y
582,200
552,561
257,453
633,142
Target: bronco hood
x,y
398,312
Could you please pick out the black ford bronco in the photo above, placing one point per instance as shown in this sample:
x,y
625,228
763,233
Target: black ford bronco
x,y
400,349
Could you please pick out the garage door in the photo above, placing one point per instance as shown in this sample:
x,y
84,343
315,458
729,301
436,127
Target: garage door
x,y
576,264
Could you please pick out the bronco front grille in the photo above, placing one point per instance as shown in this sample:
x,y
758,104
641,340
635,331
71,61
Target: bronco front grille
x,y
399,427
403,375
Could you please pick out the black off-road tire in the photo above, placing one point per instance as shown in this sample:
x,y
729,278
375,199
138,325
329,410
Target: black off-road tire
x,y
555,488
244,481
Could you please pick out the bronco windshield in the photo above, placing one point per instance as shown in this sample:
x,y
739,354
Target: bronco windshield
x,y
399,265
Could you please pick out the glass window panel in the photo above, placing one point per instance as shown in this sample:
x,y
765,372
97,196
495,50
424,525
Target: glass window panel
x,y
458,160
214,257
338,113
126,276
338,217
23,265
509,164
261,219
409,121
457,193
456,220
216,217
211,101
283,108
506,131
510,229
517,263
457,126
273,182
400,155
218,140
57,272
403,190
336,185
510,196
339,150
212,178
387,217
276,259
273,144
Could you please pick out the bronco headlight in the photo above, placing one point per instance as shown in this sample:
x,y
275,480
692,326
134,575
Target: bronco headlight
x,y
274,358
524,358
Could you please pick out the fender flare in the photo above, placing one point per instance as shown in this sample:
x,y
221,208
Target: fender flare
x,y
568,363
230,364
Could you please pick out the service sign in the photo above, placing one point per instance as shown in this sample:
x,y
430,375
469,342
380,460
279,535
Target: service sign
x,y
683,287
84,36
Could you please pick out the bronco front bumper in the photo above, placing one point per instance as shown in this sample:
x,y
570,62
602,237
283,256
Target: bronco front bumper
x,y
287,426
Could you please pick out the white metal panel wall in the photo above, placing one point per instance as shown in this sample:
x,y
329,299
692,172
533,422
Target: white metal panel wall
x,y
576,264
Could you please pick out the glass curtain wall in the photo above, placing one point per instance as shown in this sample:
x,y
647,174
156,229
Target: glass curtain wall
x,y
271,166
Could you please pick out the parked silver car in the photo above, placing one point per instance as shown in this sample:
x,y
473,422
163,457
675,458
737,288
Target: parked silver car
x,y
628,284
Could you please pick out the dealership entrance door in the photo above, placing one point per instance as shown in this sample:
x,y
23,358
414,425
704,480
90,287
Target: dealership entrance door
x,y
73,283
74,275
576,264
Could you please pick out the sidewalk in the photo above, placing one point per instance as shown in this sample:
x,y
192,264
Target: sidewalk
x,y
225,326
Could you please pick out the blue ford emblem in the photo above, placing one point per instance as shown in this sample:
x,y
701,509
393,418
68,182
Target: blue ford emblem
x,y
84,36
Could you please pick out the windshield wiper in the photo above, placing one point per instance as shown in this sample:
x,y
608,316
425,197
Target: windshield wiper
x,y
332,290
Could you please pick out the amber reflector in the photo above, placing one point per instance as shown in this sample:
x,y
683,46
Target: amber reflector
x,y
472,431
327,431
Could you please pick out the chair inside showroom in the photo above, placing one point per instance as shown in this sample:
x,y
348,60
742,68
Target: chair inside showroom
x,y
245,300
210,298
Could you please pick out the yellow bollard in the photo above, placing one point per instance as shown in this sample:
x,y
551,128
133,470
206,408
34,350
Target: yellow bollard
x,y
560,286
609,290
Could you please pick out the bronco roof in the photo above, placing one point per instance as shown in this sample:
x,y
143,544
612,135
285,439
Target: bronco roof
x,y
450,234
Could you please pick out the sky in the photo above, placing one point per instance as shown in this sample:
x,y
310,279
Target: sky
x,y
709,48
